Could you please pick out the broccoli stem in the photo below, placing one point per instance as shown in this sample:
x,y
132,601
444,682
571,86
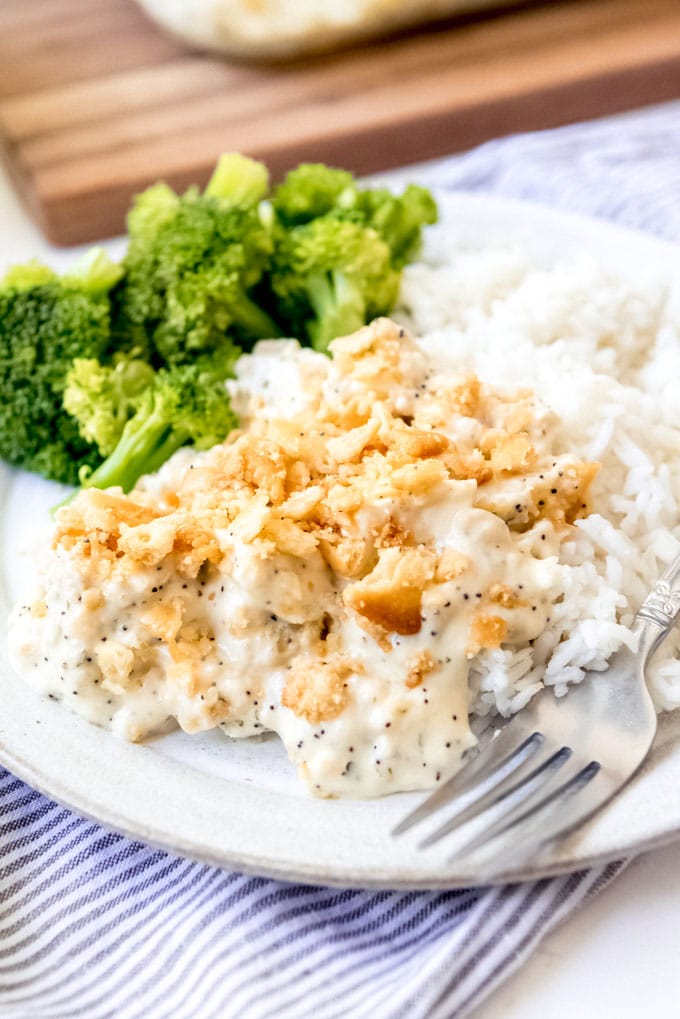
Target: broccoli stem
x,y
338,305
249,317
143,448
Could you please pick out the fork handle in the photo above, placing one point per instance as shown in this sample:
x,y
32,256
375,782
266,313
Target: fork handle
x,y
659,611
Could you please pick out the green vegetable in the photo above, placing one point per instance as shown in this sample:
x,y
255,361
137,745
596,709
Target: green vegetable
x,y
103,397
399,219
94,274
331,276
23,277
312,190
186,404
238,181
192,263
128,361
45,323
339,250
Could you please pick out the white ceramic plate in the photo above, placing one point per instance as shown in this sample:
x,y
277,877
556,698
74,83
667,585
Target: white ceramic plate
x,y
238,804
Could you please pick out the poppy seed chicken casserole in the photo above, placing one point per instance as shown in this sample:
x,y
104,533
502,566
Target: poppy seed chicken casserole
x,y
332,572
266,29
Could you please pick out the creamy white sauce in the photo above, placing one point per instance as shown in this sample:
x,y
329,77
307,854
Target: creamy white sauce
x,y
255,614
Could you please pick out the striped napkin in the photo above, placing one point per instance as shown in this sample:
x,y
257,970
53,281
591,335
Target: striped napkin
x,y
98,927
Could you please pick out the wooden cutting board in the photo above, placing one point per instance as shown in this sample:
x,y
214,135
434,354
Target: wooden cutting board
x,y
96,102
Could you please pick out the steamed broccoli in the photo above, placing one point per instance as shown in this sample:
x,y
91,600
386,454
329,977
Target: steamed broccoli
x,y
339,250
312,190
103,397
47,321
399,219
186,404
128,362
31,274
330,277
192,263
238,181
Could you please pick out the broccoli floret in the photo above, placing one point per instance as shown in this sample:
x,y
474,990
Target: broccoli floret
x,y
103,397
398,219
96,363
312,190
330,277
184,405
31,274
192,263
152,209
45,323
340,250
94,274
238,181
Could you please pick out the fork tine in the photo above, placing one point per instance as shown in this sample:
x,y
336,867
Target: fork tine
x,y
503,755
541,822
505,798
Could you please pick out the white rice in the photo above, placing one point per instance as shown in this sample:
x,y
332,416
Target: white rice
x,y
604,355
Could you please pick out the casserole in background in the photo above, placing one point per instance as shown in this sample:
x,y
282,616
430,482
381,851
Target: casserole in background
x,y
282,29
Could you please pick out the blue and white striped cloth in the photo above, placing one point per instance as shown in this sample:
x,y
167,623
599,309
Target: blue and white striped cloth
x,y
98,927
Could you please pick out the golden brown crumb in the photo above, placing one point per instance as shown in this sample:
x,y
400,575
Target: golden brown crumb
x,y
485,632
317,689
148,543
508,453
407,443
92,599
164,619
391,595
463,398
420,477
394,534
464,466
116,662
349,557
336,488
450,565
419,667
372,355
506,596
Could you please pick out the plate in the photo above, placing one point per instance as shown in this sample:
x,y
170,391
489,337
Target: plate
x,y
238,804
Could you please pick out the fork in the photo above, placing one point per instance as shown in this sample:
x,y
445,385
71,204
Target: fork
x,y
559,759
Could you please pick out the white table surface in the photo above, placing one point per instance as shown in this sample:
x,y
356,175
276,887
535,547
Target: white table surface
x,y
619,956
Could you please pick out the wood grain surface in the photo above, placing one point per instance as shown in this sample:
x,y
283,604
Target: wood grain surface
x,y
96,102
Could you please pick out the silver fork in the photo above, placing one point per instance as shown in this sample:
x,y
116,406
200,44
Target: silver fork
x,y
559,759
